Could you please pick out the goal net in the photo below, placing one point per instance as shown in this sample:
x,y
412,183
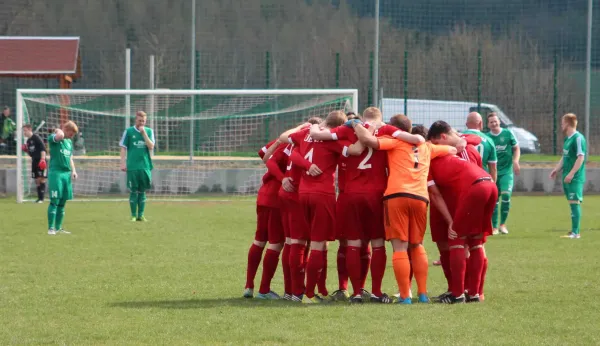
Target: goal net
x,y
206,140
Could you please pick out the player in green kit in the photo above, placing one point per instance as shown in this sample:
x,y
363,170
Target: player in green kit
x,y
487,148
509,153
60,173
572,165
136,145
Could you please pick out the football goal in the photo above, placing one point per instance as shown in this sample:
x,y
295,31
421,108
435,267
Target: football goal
x,y
206,140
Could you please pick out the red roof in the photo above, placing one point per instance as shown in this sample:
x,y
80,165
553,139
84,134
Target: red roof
x,y
30,55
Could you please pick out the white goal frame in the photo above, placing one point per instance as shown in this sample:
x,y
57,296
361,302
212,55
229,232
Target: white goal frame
x,y
127,92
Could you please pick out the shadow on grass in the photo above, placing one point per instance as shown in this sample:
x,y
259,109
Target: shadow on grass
x,y
207,304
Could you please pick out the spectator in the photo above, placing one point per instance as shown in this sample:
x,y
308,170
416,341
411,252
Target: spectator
x,y
7,133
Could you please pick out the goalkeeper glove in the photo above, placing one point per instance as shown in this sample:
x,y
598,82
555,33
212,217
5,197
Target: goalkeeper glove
x,y
24,147
42,165
350,123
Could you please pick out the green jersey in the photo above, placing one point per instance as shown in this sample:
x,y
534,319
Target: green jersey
x,y
504,141
486,149
138,155
574,147
60,154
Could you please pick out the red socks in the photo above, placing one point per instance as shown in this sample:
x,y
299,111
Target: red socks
x,y
287,274
254,256
485,266
297,266
365,263
341,268
269,267
476,264
321,284
353,265
378,269
314,269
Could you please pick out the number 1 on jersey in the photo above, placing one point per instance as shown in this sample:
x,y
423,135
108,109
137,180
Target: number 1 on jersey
x,y
309,155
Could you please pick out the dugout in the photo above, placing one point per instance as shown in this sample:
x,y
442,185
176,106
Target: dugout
x,y
42,57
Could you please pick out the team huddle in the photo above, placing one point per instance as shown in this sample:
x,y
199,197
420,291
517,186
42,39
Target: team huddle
x,y
387,176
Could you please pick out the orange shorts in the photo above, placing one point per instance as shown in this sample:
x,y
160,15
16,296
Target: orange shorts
x,y
405,218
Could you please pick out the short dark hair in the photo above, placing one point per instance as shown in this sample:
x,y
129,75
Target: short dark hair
x,y
492,114
438,128
352,115
402,122
314,120
419,130
27,126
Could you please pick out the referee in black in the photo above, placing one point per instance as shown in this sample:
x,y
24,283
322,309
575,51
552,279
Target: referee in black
x,y
37,150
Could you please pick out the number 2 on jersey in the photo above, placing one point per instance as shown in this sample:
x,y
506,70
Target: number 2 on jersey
x,y
363,164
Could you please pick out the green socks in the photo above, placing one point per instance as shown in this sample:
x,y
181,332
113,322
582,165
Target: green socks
x,y
60,215
504,208
133,203
575,217
141,204
51,215
495,217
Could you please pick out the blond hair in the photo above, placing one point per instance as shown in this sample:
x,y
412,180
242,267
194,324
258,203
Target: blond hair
x,y
372,113
71,125
140,114
570,119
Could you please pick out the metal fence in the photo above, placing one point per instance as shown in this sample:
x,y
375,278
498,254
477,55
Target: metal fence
x,y
529,57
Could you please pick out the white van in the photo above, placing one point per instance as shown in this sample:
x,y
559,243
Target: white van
x,y
426,112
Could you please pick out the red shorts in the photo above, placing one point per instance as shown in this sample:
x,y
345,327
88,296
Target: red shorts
x,y
363,217
475,208
268,225
292,216
437,225
341,207
319,212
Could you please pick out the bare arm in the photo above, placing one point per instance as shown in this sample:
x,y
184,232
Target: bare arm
x,y
356,149
409,138
516,154
366,137
73,170
149,141
283,138
436,199
43,156
123,158
271,150
493,170
59,135
577,165
320,134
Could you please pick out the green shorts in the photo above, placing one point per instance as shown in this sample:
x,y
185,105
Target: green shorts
x,y
574,191
139,180
59,185
505,183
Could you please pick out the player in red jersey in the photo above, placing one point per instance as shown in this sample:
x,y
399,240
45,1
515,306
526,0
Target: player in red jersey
x,y
317,196
362,215
268,225
473,193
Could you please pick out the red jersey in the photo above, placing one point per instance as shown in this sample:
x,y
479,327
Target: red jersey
x,y
276,166
472,155
295,166
454,175
323,154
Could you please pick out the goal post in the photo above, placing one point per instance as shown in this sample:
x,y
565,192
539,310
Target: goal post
x,y
206,140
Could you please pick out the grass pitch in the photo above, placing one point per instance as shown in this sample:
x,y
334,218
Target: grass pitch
x,y
178,280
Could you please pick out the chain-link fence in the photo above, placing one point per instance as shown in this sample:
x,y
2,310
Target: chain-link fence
x,y
528,57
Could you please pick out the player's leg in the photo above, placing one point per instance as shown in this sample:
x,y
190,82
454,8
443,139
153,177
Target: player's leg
x,y
418,255
132,184
261,237
285,253
574,194
298,248
340,207
55,196
496,207
271,259
144,184
321,217
439,235
487,231
67,195
372,219
506,185
365,261
42,186
396,231
350,221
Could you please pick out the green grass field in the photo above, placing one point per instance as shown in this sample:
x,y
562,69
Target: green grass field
x,y
178,280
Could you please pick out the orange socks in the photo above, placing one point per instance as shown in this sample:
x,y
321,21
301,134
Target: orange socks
x,y
420,267
402,271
